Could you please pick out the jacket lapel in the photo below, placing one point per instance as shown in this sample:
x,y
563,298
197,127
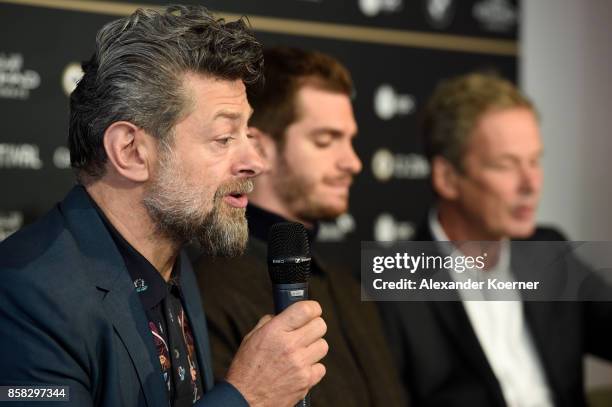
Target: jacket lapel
x,y
106,269
454,320
539,314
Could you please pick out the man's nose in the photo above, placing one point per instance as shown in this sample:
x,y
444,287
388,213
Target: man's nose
x,y
350,161
249,162
531,178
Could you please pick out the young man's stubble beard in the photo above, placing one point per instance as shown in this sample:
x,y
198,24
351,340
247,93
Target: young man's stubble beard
x,y
297,193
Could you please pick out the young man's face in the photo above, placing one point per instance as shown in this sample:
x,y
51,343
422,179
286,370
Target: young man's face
x,y
315,168
200,183
500,188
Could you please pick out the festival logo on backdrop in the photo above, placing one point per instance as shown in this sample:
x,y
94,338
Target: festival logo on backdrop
x,y
16,81
371,8
495,15
389,229
440,13
387,165
388,103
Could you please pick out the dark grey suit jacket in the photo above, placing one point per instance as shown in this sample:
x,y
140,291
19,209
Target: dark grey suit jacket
x,y
442,363
69,315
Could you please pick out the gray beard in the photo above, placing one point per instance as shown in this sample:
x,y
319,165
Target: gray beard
x,y
178,213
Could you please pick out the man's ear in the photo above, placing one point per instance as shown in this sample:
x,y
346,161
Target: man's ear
x,y
444,178
129,150
265,145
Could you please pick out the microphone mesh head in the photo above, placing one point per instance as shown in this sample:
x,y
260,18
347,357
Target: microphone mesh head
x,y
288,240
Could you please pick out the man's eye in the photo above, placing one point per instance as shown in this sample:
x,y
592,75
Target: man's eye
x,y
323,142
224,140
501,166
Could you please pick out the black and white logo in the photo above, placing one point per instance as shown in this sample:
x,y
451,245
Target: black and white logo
x,y
388,103
383,165
71,76
495,15
61,157
389,229
372,8
337,230
387,165
26,156
15,81
440,13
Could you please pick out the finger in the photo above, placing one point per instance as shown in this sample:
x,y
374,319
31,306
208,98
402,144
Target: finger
x,y
297,315
310,332
262,321
315,352
317,372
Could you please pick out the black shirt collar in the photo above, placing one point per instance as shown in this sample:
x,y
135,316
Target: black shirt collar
x,y
261,220
147,281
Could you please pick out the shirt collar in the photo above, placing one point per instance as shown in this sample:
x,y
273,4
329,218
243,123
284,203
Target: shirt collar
x,y
436,228
439,235
261,220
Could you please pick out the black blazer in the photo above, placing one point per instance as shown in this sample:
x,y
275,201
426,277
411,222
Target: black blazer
x,y
442,363
69,315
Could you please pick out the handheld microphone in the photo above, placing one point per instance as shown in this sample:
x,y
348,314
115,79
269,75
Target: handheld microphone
x,y
289,268
288,263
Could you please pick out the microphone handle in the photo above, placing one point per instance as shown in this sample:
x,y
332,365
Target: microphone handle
x,y
284,296
287,294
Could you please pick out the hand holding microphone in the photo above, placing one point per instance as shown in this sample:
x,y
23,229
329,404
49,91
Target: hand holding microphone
x,y
278,361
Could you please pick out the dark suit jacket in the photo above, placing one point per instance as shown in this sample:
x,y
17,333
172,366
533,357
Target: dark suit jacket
x,y
442,363
360,371
69,315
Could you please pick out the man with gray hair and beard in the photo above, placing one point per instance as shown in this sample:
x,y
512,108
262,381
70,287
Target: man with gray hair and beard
x,y
97,296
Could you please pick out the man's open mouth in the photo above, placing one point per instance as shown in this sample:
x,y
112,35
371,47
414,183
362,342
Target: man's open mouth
x,y
236,199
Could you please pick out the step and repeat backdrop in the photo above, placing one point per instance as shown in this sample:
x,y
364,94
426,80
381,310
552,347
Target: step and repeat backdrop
x,y
396,50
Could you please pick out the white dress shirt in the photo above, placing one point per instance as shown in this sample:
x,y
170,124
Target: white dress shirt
x,y
502,332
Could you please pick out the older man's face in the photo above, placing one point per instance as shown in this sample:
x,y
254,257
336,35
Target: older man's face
x,y
204,173
500,188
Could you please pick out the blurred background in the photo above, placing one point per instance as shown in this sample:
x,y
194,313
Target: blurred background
x,y
558,51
